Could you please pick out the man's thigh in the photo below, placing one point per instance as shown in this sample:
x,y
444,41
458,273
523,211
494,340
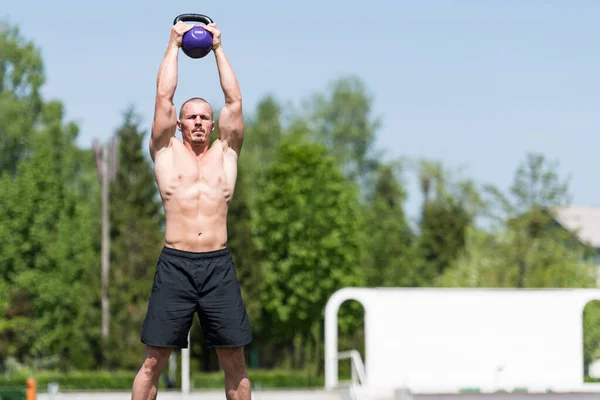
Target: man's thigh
x,y
171,305
221,308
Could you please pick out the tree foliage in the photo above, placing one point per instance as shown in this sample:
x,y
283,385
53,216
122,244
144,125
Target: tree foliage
x,y
341,119
47,247
526,248
526,214
443,227
21,76
391,243
307,232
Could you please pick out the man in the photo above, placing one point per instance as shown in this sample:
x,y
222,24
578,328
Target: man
x,y
195,272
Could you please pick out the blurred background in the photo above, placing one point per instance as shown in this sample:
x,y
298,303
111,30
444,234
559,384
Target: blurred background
x,y
398,144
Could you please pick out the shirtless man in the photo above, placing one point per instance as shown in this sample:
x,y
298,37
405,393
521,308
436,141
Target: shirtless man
x,y
195,272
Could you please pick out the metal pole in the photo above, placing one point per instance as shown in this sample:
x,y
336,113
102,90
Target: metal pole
x,y
106,163
185,368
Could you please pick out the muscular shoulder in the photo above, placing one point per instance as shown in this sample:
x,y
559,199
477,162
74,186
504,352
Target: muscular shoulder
x,y
228,152
174,143
165,156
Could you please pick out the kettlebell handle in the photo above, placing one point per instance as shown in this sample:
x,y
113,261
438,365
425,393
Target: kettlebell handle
x,y
193,17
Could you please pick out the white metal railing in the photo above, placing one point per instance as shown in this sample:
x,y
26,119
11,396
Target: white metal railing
x,y
358,377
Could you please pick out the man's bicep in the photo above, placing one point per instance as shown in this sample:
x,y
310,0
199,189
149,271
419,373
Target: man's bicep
x,y
163,125
231,126
230,165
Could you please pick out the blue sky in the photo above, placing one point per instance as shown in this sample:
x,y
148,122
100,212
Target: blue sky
x,y
476,84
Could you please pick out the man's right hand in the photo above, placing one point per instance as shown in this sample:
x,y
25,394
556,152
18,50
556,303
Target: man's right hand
x,y
177,32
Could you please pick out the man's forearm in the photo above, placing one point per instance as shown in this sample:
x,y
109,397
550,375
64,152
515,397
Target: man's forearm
x,y
229,82
166,82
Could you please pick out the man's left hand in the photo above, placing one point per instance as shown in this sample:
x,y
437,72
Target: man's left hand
x,y
216,34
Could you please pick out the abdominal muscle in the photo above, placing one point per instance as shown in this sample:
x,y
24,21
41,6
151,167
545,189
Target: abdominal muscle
x,y
196,219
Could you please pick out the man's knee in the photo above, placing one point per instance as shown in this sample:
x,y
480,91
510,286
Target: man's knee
x,y
156,360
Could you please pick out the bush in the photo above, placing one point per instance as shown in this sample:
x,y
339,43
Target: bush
x,y
12,394
262,379
123,380
79,380
11,383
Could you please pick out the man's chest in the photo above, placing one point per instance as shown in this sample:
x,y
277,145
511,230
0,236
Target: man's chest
x,y
209,169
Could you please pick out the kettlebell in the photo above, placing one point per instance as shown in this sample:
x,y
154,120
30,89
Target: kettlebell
x,y
197,42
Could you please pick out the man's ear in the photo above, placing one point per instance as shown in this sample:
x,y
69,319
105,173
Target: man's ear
x,y
179,125
213,127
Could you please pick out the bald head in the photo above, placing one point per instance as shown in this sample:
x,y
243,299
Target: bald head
x,y
192,101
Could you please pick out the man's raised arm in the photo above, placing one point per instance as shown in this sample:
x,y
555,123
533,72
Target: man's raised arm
x,y
231,121
165,115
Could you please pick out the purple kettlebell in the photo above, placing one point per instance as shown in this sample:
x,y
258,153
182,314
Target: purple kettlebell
x,y
197,42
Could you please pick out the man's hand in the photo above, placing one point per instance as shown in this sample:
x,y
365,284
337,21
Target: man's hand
x,y
216,34
177,32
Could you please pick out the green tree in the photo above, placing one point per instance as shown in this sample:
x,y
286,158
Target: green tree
x,y
47,250
526,213
21,76
442,237
591,334
342,120
432,179
308,233
437,182
523,248
263,133
390,241
136,240
449,207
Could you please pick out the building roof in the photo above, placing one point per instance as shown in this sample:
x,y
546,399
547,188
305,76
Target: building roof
x,y
584,222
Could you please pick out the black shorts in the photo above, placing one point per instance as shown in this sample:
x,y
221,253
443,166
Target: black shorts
x,y
186,283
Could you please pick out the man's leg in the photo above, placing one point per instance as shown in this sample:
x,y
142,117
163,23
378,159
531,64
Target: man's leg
x,y
225,324
168,319
237,384
145,385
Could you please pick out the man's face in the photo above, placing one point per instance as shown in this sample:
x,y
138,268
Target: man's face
x,y
196,123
